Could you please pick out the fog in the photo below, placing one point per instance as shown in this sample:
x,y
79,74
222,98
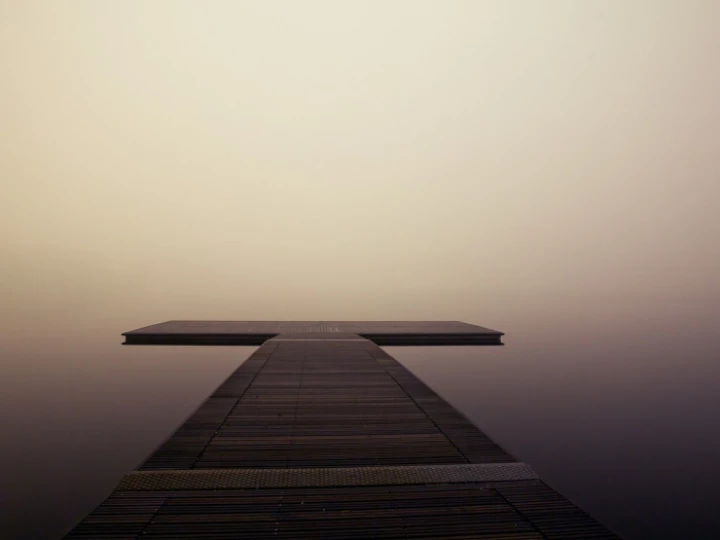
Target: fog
x,y
547,169
306,159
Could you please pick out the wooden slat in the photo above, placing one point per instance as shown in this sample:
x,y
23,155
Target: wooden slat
x,y
500,511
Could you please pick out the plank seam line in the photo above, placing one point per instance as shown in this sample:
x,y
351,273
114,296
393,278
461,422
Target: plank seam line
x,y
418,405
521,514
197,409
237,401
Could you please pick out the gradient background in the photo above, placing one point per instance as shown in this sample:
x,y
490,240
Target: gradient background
x,y
549,169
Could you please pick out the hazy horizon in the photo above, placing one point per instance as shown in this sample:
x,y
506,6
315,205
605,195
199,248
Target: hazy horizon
x,y
278,159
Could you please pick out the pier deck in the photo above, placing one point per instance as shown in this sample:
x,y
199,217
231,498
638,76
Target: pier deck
x,y
322,434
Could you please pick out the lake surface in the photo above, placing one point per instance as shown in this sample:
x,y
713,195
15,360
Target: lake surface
x,y
613,401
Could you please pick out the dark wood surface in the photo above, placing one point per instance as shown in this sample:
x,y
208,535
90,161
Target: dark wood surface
x,y
301,403
257,332
338,406
494,511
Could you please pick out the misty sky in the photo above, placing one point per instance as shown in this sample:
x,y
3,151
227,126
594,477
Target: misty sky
x,y
280,159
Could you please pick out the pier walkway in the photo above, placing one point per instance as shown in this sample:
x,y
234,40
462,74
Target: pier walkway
x,y
322,434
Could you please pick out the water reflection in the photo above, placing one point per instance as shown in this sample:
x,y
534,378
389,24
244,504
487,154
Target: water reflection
x,y
78,417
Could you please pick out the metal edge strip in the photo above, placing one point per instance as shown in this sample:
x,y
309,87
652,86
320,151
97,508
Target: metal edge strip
x,y
324,476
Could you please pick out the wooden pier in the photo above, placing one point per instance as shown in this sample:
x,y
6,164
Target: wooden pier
x,y
322,434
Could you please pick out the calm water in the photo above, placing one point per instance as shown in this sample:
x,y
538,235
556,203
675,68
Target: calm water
x,y
614,402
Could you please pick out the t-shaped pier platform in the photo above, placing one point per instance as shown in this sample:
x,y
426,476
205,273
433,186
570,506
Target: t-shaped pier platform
x,y
257,332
